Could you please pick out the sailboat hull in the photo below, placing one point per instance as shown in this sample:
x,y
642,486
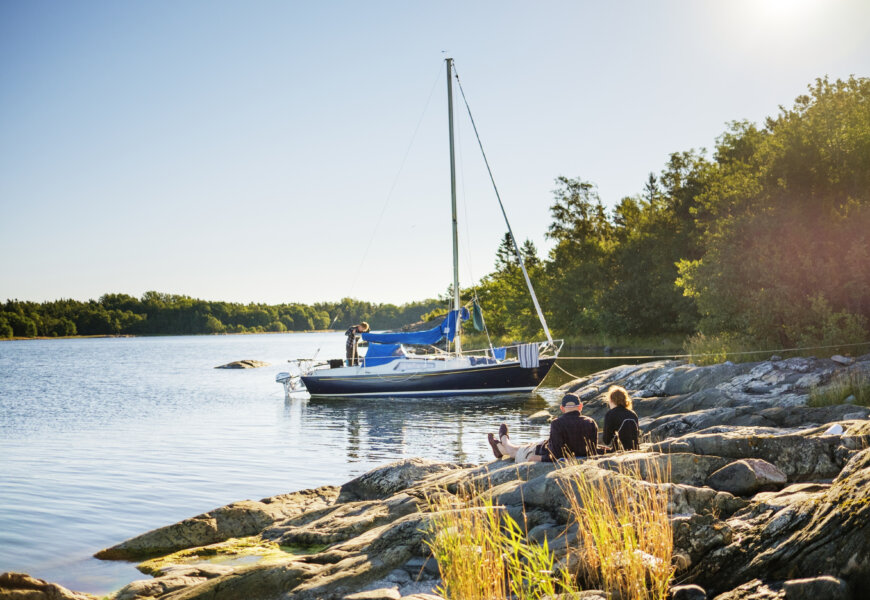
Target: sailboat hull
x,y
508,377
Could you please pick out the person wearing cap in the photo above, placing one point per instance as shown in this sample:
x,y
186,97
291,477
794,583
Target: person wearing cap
x,y
352,341
572,434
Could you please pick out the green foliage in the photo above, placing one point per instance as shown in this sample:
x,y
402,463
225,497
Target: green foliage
x,y
786,218
713,349
767,244
5,329
852,385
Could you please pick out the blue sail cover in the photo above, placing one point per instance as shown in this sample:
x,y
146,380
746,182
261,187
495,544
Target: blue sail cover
x,y
381,354
447,328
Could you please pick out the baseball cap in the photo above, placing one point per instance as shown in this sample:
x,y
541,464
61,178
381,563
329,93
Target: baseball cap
x,y
571,400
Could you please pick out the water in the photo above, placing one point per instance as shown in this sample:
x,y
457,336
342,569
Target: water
x,y
103,439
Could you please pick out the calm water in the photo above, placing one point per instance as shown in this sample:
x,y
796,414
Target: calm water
x,y
103,439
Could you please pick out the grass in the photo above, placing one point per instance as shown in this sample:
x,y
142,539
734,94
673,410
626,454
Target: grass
x,y
708,350
483,553
850,383
624,541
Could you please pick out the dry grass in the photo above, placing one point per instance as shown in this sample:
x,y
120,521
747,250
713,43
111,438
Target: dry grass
x,y
625,539
484,554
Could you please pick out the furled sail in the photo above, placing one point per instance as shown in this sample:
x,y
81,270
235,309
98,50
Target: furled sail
x,y
447,328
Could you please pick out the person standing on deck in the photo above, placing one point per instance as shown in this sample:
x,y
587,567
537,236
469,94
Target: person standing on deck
x,y
352,341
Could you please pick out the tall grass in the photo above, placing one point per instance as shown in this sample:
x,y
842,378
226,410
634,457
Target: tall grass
x,y
851,383
624,542
625,539
484,554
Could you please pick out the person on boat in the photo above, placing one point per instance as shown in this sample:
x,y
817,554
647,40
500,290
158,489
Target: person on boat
x,y
572,434
621,425
352,341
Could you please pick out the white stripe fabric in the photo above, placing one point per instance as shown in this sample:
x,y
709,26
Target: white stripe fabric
x,y
528,355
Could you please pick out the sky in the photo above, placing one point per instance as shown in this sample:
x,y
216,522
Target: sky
x,y
297,151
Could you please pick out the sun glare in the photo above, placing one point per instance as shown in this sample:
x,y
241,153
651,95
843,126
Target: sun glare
x,y
786,10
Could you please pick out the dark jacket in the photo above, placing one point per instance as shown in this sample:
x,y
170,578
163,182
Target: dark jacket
x,y
350,346
621,423
571,434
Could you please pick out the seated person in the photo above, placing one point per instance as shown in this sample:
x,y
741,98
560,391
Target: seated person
x,y
572,434
621,425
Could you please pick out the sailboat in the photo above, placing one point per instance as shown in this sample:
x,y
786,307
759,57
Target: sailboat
x,y
394,364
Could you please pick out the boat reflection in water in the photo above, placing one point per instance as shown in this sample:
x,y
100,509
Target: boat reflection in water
x,y
438,428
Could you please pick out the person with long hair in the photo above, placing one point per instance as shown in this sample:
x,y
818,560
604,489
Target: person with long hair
x,y
621,425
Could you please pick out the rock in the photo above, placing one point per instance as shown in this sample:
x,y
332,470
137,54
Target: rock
x,y
842,360
688,592
745,477
829,588
697,535
755,590
240,519
244,364
850,399
827,531
800,456
393,477
380,594
21,586
542,416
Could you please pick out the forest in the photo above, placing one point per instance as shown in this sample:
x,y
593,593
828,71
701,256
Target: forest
x,y
763,241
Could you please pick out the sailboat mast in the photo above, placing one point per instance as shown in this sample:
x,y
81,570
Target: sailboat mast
x,y
456,302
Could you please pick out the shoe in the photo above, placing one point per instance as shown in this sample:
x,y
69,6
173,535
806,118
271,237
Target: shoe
x,y
491,439
502,431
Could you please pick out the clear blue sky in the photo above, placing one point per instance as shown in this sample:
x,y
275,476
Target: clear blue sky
x,y
245,151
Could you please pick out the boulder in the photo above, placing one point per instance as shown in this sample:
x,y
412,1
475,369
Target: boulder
x,y
392,478
244,364
542,416
21,586
747,476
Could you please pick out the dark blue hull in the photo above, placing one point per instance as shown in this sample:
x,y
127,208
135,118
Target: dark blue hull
x,y
476,380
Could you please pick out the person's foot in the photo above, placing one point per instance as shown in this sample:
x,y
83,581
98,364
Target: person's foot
x,y
502,431
491,439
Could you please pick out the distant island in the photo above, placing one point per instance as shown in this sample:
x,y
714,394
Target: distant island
x,y
764,244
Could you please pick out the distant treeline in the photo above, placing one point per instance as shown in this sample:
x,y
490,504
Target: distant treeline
x,y
168,314
764,243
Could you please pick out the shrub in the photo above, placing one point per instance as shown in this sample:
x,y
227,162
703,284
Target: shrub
x,y
852,383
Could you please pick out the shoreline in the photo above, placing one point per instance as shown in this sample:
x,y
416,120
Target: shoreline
x,y
755,472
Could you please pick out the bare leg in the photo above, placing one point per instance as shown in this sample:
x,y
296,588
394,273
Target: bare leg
x,y
509,448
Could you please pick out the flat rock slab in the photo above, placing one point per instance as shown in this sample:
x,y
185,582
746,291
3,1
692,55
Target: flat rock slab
x,y
245,364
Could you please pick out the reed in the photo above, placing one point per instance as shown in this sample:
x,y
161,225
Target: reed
x,y
484,554
625,539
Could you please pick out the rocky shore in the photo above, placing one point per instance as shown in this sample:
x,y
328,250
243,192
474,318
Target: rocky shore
x,y
769,498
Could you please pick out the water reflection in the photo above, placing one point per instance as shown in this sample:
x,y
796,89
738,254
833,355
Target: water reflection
x,y
442,428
